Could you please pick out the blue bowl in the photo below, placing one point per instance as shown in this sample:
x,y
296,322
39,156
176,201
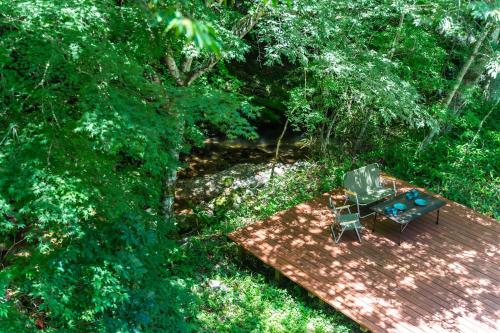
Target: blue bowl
x,y
420,202
400,206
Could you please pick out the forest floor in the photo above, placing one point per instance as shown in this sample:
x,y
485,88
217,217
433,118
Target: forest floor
x,y
228,291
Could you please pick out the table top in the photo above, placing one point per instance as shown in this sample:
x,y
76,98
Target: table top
x,y
412,211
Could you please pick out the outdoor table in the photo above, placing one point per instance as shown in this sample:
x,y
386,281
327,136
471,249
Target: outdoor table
x,y
412,211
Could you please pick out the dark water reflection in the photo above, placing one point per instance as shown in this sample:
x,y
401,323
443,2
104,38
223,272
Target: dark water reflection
x,y
220,154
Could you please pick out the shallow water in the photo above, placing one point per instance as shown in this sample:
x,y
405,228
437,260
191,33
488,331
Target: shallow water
x,y
220,154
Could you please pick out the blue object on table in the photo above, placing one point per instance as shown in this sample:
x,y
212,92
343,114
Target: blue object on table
x,y
388,209
415,193
409,195
394,212
400,206
420,202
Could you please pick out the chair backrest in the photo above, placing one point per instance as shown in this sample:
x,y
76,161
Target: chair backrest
x,y
331,204
364,179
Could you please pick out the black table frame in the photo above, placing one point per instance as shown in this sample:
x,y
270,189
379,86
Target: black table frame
x,y
411,213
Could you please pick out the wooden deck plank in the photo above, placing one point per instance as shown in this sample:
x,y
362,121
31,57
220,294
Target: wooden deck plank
x,y
328,291
415,303
433,303
467,235
444,278
448,245
327,212
470,327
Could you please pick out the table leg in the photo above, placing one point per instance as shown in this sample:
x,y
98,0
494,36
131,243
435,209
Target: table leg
x,y
374,220
400,233
437,217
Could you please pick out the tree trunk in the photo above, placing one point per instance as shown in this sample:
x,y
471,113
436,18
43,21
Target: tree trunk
x,y
169,193
173,68
458,82
184,77
333,119
329,132
466,66
361,134
483,121
276,155
396,38
171,173
321,138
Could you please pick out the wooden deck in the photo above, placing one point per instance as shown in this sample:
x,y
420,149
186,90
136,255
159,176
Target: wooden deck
x,y
443,278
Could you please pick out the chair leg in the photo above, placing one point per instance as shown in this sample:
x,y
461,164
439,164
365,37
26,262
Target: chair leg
x,y
333,233
357,233
341,233
335,238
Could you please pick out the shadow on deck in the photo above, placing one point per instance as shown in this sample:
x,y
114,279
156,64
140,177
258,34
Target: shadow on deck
x,y
443,278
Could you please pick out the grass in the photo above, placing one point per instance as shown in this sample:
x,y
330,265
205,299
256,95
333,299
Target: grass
x,y
246,297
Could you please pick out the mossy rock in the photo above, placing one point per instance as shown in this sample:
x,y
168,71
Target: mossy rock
x,y
228,181
221,201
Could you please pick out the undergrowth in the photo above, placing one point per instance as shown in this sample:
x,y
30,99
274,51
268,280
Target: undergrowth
x,y
246,298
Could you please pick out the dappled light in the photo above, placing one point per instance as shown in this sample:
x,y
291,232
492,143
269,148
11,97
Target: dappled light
x,y
443,277
136,135
218,155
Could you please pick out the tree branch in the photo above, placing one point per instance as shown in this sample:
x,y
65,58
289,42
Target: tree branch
x,y
240,29
396,38
463,71
186,65
201,70
277,152
466,66
172,68
247,23
482,122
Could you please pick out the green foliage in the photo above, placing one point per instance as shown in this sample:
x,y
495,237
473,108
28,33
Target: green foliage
x,y
92,121
200,29
247,301
368,66
88,123
460,165
422,58
349,85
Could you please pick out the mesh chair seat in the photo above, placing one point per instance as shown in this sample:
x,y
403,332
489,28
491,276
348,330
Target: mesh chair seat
x,y
350,221
343,222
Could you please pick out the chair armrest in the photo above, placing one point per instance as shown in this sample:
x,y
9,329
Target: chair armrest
x,y
386,180
355,196
345,207
351,193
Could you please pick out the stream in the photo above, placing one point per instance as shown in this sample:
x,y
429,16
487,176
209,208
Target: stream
x,y
203,167
219,154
